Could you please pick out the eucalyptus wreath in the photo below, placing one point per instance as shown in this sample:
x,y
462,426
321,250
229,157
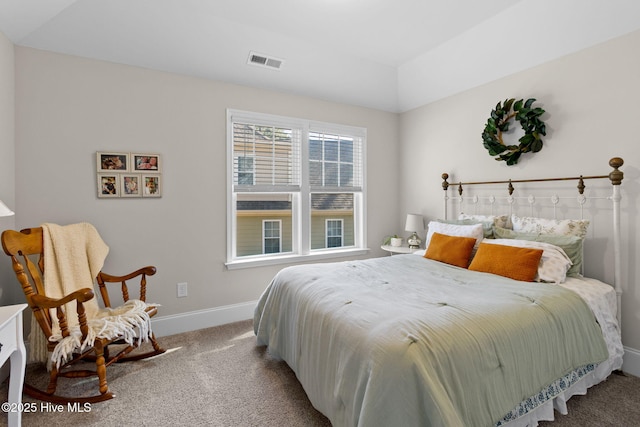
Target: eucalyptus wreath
x,y
499,122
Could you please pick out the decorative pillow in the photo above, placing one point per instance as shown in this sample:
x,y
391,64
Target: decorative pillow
x,y
497,220
487,227
553,265
571,245
487,221
564,227
474,230
452,250
508,261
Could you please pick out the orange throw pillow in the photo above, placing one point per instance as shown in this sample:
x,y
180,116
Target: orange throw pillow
x,y
452,250
508,261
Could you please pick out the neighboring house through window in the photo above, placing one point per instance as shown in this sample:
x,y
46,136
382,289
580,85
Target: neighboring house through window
x,y
297,188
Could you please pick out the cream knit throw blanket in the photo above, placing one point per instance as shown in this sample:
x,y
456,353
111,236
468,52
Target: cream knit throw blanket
x,y
73,256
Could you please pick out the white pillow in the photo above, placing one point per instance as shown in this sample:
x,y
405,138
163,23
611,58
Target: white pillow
x,y
563,227
474,230
554,263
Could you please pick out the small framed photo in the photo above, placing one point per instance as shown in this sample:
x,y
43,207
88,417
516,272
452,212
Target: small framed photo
x,y
108,185
145,162
130,185
109,162
152,185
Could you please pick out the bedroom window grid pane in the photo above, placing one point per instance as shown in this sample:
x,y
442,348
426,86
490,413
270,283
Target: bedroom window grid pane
x,y
333,220
335,161
275,157
264,223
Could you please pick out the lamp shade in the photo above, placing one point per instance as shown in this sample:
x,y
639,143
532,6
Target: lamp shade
x,y
4,210
415,222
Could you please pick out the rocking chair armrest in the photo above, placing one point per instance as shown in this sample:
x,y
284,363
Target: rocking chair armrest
x,y
108,278
81,295
141,273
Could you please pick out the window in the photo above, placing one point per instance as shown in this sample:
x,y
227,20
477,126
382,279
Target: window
x,y
334,233
271,236
245,170
296,188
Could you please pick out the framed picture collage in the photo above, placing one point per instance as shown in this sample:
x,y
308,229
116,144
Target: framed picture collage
x,y
128,174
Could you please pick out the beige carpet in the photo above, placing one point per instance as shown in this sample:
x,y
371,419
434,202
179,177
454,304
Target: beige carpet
x,y
218,377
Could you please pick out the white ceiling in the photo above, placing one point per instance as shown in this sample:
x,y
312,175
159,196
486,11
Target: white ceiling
x,y
376,53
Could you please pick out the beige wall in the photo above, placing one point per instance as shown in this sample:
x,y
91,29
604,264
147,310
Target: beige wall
x,y
7,170
591,99
67,108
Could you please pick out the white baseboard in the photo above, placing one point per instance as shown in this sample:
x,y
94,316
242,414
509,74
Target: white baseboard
x,y
631,361
193,320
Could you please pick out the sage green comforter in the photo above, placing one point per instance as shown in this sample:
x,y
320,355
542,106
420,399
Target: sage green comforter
x,y
406,341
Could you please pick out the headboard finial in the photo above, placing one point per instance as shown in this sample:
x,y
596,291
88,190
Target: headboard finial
x,y
616,175
581,185
445,183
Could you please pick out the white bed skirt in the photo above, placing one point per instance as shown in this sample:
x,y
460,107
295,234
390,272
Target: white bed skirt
x,y
545,412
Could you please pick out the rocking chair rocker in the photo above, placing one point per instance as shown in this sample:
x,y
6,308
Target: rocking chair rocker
x,y
27,251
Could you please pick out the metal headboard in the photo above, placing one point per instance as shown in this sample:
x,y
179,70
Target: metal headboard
x,y
615,176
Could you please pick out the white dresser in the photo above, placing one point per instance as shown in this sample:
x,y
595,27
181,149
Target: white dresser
x,y
13,347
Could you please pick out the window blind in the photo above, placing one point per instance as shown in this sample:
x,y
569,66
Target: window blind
x,y
265,158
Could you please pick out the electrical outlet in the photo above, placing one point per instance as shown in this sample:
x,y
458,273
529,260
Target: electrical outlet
x,y
181,289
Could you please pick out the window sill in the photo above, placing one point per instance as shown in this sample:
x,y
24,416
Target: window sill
x,y
288,259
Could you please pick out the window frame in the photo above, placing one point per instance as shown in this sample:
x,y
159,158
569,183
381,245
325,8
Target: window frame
x,y
301,199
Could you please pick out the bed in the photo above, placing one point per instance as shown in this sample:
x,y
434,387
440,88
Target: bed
x,y
414,340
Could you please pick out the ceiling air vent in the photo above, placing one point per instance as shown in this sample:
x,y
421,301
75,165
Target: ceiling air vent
x,y
264,61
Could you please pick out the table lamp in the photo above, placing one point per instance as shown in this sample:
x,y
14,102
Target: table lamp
x,y
414,224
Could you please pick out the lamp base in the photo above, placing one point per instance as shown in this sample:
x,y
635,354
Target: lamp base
x,y
414,241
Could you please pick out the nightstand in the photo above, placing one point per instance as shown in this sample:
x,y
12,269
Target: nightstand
x,y
13,347
398,249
